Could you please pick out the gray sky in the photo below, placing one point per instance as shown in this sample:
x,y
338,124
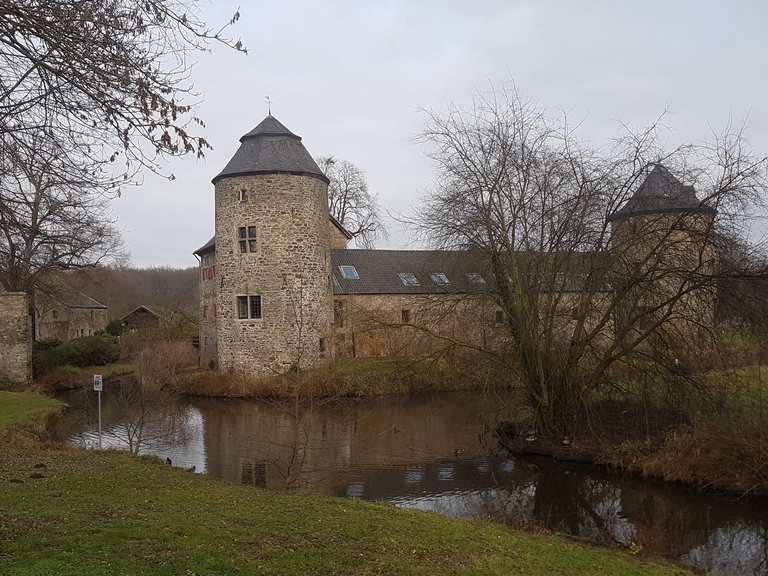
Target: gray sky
x,y
351,78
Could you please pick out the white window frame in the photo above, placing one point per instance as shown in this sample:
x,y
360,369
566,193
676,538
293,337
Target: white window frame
x,y
408,279
348,267
444,281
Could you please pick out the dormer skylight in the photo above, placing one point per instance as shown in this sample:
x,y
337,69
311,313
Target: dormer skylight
x,y
439,278
475,278
408,279
349,273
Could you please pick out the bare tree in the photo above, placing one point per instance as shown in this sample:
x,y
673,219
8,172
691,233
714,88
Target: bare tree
x,y
52,217
591,279
102,79
351,202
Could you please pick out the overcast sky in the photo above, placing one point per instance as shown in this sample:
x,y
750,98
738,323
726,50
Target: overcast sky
x,y
352,79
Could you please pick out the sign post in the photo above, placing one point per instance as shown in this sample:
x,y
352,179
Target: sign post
x,y
98,386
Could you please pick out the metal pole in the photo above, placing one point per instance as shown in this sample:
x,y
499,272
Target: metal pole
x,y
99,419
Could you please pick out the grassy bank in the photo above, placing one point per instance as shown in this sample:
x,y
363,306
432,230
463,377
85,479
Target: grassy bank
x,y
88,513
355,377
70,377
24,407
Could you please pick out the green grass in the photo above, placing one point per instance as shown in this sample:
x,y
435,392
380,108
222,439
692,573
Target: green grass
x,y
22,407
89,513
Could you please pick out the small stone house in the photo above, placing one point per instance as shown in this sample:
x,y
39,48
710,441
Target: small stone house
x,y
64,313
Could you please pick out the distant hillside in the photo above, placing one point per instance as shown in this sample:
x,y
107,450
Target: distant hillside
x,y
123,289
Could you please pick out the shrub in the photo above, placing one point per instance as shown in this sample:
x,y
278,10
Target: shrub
x,y
114,328
88,351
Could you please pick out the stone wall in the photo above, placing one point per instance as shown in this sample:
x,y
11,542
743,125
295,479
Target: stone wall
x,y
338,238
209,312
15,339
403,325
289,270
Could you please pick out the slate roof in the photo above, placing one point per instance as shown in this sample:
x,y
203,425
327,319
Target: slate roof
x,y
379,269
271,148
661,192
209,246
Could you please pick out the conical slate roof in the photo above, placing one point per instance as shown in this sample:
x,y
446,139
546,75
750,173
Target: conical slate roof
x,y
661,192
271,148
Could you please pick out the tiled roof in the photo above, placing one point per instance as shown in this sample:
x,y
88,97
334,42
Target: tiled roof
x,y
268,149
661,192
379,271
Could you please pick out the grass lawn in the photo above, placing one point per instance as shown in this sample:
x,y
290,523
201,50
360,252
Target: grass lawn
x,y
18,407
73,512
89,513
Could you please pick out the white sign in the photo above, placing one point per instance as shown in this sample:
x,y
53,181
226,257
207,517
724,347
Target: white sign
x,y
98,383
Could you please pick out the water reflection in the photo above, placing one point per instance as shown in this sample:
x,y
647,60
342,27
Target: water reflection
x,y
436,453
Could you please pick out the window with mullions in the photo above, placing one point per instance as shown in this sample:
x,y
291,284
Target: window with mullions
x,y
246,239
249,307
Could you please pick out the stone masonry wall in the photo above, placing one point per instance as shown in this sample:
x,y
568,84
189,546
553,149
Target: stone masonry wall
x,y
15,339
403,325
209,312
290,270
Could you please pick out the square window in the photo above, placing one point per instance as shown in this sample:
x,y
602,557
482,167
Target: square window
x,y
439,278
499,317
255,304
349,273
246,239
406,315
242,307
408,279
475,278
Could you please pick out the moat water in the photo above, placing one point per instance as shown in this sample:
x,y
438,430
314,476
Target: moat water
x,y
431,452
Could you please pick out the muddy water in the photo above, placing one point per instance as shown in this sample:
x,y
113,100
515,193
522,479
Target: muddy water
x,y
432,452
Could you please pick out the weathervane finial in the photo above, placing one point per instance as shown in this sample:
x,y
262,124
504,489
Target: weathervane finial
x,y
268,100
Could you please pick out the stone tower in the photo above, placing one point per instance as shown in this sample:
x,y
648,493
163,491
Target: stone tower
x,y
273,303
663,235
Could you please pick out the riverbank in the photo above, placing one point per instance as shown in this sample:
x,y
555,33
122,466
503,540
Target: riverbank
x,y
68,511
356,377
718,441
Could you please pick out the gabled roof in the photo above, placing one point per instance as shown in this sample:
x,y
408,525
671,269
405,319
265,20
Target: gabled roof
x,y
64,294
139,309
661,192
340,226
270,148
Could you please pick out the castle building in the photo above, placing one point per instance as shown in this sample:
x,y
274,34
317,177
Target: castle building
x,y
280,290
